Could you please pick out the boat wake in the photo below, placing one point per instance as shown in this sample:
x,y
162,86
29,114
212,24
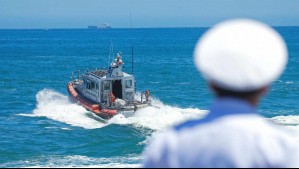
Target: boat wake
x,y
159,116
58,107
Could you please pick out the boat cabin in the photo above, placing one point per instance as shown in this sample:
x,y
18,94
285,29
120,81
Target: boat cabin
x,y
98,84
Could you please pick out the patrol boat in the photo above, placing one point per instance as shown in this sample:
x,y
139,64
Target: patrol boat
x,y
108,92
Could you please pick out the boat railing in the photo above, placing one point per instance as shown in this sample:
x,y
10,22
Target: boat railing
x,y
73,76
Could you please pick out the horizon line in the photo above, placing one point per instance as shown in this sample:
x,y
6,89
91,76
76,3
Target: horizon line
x,y
129,27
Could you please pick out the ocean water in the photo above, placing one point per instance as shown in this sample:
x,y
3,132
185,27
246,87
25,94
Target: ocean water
x,y
41,127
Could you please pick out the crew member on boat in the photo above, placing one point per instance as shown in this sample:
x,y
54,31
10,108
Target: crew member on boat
x,y
147,95
111,99
117,62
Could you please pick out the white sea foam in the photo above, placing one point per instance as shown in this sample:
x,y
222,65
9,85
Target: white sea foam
x,y
289,122
289,82
159,117
56,106
77,161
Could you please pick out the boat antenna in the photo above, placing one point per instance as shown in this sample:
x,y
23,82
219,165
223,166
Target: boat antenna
x,y
132,44
111,52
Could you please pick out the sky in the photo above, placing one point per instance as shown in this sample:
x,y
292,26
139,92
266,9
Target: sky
x,y
32,14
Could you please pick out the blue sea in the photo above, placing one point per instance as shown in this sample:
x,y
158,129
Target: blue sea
x,y
41,127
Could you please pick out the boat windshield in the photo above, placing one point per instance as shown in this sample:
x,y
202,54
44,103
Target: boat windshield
x,y
129,83
106,86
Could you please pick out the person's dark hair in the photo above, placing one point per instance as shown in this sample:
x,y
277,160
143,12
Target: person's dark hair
x,y
223,92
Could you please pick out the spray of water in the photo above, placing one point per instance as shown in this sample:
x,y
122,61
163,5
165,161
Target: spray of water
x,y
56,106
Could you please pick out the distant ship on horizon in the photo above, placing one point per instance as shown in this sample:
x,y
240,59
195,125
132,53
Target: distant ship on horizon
x,y
102,26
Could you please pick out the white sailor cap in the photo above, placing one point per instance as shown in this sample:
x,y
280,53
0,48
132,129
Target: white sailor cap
x,y
241,55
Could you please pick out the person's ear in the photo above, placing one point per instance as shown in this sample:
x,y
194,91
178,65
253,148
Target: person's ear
x,y
212,87
264,90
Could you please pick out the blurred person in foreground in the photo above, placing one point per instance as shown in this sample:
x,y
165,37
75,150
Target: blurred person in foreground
x,y
239,59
